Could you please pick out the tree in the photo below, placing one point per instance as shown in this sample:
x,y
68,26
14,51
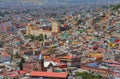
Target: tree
x,y
86,75
79,21
33,37
45,36
40,37
51,50
98,76
22,60
78,74
21,63
116,7
16,55
26,36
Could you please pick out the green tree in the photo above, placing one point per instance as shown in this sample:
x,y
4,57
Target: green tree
x,y
40,37
78,74
98,76
79,21
16,55
86,75
51,50
116,7
27,36
33,37
45,36
21,63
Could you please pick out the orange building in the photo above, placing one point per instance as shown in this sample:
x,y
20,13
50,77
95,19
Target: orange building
x,y
50,75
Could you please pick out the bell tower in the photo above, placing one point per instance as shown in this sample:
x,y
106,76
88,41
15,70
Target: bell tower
x,y
28,29
41,63
39,66
55,27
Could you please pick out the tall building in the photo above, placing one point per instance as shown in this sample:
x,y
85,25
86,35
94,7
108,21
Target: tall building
x,y
55,27
28,29
40,64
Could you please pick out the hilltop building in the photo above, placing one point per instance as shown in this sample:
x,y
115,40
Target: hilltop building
x,y
36,30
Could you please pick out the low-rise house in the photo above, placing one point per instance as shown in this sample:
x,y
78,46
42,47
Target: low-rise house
x,y
103,72
14,74
5,57
71,60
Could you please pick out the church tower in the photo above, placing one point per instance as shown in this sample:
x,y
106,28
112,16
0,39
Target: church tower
x,y
39,66
41,63
28,29
55,27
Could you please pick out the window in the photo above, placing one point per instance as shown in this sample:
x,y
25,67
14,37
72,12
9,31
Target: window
x,y
117,51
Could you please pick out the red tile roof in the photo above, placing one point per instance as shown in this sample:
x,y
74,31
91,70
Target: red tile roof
x,y
22,72
5,54
111,61
13,75
56,60
69,57
114,65
49,74
117,40
62,65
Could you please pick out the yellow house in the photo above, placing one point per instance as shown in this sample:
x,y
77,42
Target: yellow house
x,y
95,55
89,37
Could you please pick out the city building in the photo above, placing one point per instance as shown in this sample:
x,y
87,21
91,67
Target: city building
x,y
71,61
48,75
113,55
34,30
